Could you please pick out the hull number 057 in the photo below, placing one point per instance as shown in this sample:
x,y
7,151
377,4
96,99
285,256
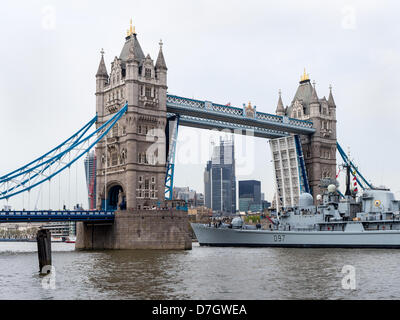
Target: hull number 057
x,y
279,237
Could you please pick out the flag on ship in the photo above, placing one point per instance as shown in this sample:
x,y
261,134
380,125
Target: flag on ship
x,y
338,174
355,182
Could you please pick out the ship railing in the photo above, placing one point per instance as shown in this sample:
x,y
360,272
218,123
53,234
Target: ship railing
x,y
303,229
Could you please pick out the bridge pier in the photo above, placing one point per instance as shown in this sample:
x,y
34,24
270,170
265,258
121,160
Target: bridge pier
x,y
137,229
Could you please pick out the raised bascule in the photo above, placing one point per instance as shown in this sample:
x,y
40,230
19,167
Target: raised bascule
x,y
137,125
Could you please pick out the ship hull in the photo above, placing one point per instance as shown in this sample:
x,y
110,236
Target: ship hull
x,y
211,236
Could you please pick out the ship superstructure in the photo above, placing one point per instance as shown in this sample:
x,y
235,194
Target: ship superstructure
x,y
371,220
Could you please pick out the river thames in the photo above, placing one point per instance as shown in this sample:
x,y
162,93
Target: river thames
x,y
201,273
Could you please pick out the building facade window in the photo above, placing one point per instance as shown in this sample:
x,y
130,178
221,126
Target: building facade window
x,y
147,72
148,92
114,159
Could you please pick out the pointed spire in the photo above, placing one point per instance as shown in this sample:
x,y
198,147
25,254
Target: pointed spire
x,y
331,102
314,96
102,70
280,110
160,64
131,30
304,77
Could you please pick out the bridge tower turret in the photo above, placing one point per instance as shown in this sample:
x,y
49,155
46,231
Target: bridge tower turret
x,y
131,159
131,166
101,82
280,110
319,149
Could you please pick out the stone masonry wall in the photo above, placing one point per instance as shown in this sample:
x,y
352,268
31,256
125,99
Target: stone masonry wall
x,y
138,229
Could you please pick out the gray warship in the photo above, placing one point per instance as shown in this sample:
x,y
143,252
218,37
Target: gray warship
x,y
371,220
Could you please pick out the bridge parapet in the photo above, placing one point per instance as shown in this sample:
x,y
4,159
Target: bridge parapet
x,y
55,215
186,101
280,119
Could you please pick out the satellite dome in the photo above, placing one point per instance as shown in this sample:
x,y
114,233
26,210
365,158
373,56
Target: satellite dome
x,y
331,188
306,200
237,222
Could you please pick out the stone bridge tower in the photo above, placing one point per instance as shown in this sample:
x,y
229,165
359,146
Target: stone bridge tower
x,y
130,167
319,149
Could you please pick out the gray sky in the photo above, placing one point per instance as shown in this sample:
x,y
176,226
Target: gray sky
x,y
221,51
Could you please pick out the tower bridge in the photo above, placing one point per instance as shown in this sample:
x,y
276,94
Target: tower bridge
x,y
134,179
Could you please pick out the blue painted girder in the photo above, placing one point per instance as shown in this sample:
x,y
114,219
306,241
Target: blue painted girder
x,y
172,138
347,160
194,122
55,215
21,187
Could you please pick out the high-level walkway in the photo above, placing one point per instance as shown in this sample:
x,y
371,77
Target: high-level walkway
x,y
209,115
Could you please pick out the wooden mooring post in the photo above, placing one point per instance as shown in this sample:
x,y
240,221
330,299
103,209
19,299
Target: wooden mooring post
x,y
43,239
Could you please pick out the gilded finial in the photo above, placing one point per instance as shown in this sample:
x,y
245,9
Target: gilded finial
x,y
131,29
249,105
305,76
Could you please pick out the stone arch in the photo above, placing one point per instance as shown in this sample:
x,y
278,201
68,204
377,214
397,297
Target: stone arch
x,y
146,205
116,197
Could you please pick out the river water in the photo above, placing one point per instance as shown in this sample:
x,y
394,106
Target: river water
x,y
201,273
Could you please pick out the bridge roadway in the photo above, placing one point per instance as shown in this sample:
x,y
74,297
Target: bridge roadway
x,y
56,216
208,115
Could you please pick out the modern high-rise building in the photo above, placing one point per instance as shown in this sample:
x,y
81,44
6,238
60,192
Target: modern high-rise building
x,y
250,196
220,179
90,171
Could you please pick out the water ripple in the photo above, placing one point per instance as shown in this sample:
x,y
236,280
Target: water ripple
x,y
202,273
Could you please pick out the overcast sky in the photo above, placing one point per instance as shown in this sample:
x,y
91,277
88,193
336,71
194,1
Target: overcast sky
x,y
221,51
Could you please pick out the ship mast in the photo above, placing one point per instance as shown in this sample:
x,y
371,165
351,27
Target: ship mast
x,y
348,192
